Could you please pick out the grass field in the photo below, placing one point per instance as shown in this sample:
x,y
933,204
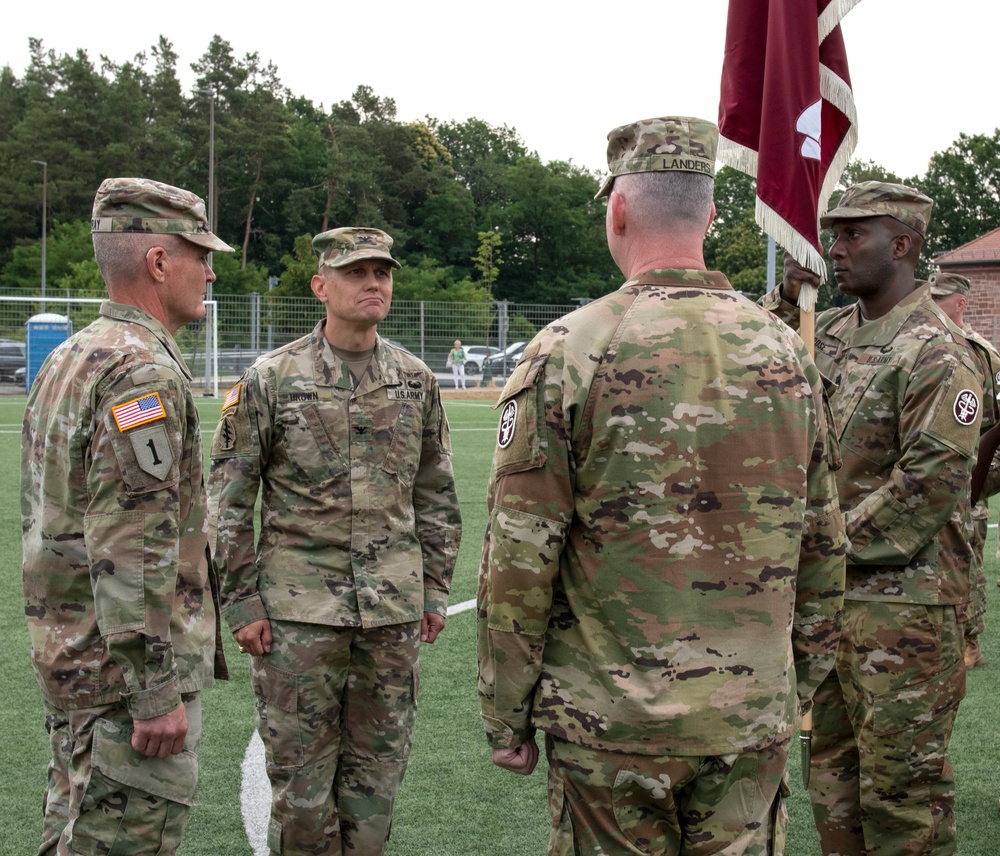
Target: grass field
x,y
453,802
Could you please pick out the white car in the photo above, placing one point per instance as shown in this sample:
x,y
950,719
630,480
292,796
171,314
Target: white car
x,y
474,356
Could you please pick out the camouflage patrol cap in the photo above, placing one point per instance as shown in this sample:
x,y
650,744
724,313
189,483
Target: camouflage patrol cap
x,y
339,247
667,143
943,284
883,199
143,205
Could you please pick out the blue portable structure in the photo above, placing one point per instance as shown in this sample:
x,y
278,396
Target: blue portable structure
x,y
43,332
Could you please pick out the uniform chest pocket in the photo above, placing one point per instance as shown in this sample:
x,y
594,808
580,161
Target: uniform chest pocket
x,y
310,439
867,412
403,456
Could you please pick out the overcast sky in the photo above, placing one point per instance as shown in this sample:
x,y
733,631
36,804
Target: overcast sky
x,y
563,74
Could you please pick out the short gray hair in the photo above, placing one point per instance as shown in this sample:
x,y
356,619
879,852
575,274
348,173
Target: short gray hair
x,y
667,198
121,256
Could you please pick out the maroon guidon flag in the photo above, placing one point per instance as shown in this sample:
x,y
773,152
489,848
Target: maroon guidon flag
x,y
786,113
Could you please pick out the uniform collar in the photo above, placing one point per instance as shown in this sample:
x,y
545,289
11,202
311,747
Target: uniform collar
x,y
329,370
135,315
881,331
682,277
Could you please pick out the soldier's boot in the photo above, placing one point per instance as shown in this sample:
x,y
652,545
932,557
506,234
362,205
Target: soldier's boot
x,y
973,653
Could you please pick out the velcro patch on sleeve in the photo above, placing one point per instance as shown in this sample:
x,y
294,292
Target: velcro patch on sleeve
x,y
518,444
966,407
139,411
235,435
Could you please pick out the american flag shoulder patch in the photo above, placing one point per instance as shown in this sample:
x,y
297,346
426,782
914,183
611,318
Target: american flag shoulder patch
x,y
232,397
139,411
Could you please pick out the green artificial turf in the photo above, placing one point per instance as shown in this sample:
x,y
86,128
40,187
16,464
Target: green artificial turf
x,y
453,802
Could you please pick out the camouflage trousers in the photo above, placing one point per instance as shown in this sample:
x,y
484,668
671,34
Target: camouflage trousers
x,y
335,710
610,803
105,798
882,782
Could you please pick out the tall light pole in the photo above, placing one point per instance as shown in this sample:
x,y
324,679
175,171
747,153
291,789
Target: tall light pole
x,y
45,217
211,160
211,214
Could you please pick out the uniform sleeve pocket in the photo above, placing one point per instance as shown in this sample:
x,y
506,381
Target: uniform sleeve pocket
x,y
519,446
115,548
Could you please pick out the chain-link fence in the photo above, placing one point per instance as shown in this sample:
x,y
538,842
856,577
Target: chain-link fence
x,y
253,324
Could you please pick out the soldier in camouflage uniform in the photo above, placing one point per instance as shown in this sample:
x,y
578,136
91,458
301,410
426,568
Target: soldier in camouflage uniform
x,y
907,410
965,535
118,588
663,568
345,437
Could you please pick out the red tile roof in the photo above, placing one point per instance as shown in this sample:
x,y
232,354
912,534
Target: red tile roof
x,y
985,248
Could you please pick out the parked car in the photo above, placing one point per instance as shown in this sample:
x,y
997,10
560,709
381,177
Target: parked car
x,y
11,359
474,357
503,364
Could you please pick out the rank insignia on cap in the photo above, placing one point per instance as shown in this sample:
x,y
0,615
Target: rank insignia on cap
x,y
966,407
232,397
139,411
508,419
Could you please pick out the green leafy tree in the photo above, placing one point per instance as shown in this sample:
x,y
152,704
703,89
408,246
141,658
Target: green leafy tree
x,y
233,277
964,182
253,149
299,269
67,244
739,250
554,235
480,155
488,260
735,243
857,171
83,278
433,283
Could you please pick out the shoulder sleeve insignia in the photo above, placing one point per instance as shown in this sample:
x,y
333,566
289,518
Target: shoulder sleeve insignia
x,y
232,397
508,420
966,407
139,411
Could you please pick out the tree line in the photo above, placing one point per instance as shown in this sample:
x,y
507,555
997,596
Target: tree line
x,y
475,214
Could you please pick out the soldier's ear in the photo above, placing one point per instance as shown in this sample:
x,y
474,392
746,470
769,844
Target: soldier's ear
x,y
157,262
616,212
318,286
901,246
